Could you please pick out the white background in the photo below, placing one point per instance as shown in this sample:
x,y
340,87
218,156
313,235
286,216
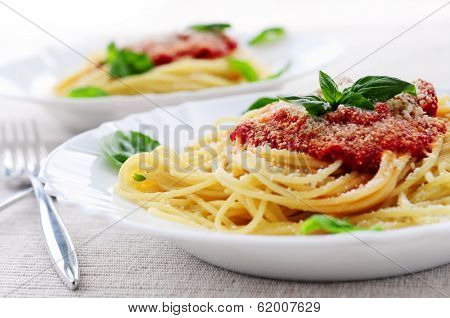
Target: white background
x,y
362,25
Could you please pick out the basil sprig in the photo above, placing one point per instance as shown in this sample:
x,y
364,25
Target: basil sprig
x,y
124,62
86,92
213,27
331,225
364,93
268,35
119,146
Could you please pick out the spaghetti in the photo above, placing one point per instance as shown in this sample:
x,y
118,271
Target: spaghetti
x,y
270,172
184,62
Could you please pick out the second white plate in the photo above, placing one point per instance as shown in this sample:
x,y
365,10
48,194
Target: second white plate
x,y
32,79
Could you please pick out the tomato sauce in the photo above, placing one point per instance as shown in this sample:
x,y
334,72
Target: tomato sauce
x,y
355,136
198,45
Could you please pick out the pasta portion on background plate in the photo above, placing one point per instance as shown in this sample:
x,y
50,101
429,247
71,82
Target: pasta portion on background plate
x,y
200,57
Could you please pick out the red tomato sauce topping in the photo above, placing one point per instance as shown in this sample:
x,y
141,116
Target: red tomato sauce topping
x,y
355,136
198,45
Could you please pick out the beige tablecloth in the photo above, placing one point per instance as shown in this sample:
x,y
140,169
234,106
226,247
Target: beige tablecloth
x,y
123,262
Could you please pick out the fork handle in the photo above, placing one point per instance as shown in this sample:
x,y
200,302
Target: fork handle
x,y
59,244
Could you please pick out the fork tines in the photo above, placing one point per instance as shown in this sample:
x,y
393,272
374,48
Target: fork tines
x,y
20,148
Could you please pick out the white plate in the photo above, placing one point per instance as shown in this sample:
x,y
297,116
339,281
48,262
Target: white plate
x,y
75,172
32,79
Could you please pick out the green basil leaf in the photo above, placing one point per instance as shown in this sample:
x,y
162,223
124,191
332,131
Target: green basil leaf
x,y
139,177
119,146
329,224
87,91
124,62
119,158
314,105
268,35
261,102
141,142
356,100
329,88
381,88
283,70
213,27
244,68
325,223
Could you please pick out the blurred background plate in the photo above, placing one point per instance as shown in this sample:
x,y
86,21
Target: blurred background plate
x,y
32,79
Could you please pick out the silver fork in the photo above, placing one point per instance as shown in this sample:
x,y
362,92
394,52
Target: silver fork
x,y
21,152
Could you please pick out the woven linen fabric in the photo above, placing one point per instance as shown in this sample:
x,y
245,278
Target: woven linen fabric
x,y
125,262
